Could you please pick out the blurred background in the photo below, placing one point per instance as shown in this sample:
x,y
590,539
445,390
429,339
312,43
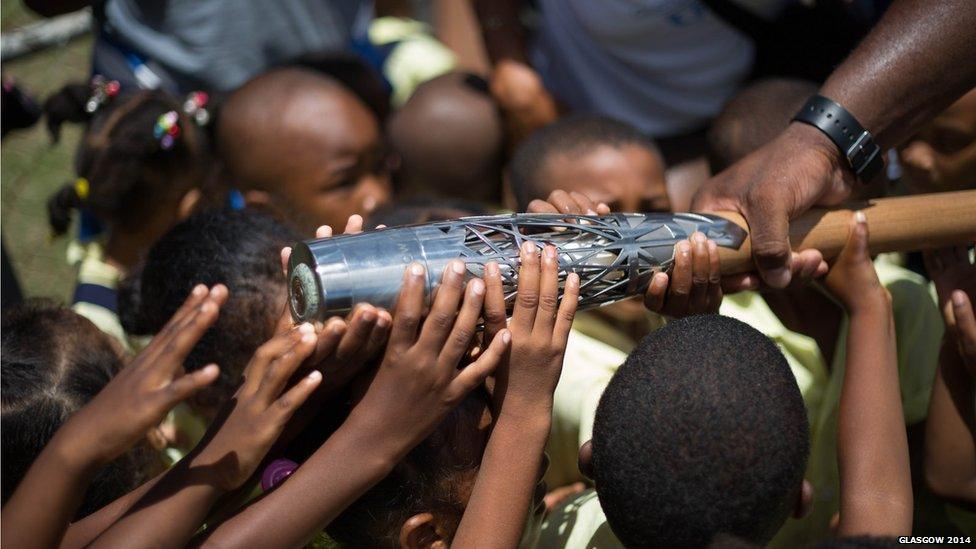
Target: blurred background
x,y
32,168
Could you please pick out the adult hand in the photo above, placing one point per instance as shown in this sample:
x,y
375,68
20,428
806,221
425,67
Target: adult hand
x,y
771,186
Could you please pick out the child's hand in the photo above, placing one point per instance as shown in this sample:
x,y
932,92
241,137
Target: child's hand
x,y
955,282
418,382
573,203
154,382
695,281
252,421
852,278
539,328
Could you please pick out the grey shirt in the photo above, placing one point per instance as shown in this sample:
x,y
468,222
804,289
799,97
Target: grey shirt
x,y
219,44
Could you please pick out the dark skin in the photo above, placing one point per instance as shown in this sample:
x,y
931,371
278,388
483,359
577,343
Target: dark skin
x,y
416,385
950,443
942,156
523,390
872,444
627,179
134,401
333,171
913,64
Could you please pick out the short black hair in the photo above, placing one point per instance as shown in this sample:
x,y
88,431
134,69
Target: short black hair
x,y
239,249
701,431
575,134
754,117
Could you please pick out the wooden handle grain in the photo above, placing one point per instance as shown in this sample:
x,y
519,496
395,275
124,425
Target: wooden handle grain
x,y
918,222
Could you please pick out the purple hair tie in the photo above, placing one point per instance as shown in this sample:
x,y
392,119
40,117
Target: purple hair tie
x,y
276,472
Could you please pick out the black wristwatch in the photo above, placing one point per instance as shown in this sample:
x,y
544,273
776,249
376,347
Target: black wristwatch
x,y
855,143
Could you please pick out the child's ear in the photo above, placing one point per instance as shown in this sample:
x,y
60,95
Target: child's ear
x,y
586,459
188,204
804,500
421,531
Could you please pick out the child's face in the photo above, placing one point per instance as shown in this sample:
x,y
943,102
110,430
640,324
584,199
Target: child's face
x,y
336,167
628,178
942,156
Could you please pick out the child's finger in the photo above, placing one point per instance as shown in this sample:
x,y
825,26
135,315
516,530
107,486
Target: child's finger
x,y
496,316
657,288
567,309
258,366
680,289
714,277
185,337
602,209
859,236
583,202
378,337
323,231
564,203
527,300
541,206
285,256
184,386
464,327
545,318
329,337
474,374
283,366
700,266
297,395
354,224
410,306
962,309
440,320
361,323
190,304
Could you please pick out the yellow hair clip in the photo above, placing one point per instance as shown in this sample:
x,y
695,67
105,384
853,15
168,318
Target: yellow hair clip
x,y
81,188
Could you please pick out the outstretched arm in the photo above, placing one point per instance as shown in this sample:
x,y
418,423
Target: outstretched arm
x,y
524,386
950,429
872,444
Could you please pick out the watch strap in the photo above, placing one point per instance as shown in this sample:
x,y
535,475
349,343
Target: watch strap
x,y
855,143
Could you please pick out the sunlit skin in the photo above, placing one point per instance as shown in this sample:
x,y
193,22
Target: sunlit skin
x,y
942,156
306,148
628,178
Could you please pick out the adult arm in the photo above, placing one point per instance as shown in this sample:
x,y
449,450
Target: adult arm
x,y
915,62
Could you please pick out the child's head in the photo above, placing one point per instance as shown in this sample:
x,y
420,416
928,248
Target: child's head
x,y
701,431
238,249
754,117
54,362
607,160
301,144
942,157
140,164
449,139
423,499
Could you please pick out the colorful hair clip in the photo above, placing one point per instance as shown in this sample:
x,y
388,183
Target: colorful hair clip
x,y
167,129
195,107
103,91
82,188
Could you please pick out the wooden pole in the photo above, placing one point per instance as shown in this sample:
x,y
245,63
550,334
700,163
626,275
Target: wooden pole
x,y
917,222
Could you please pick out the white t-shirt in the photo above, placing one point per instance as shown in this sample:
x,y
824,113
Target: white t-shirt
x,y
665,66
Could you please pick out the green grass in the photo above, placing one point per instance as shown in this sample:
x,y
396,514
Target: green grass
x,y
31,168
